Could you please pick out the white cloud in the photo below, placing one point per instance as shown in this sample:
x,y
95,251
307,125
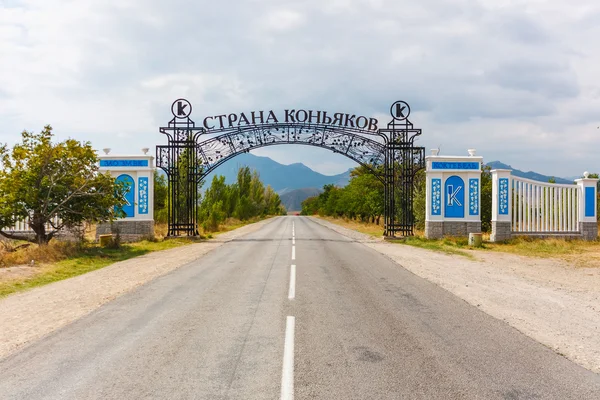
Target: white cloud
x,y
515,78
282,20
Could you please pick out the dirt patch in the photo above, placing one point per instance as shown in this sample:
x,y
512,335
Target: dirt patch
x,y
17,272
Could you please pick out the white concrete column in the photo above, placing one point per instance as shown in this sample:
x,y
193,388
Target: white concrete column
x,y
501,205
587,198
501,198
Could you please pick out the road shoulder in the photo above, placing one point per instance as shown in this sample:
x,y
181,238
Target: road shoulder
x,y
28,316
556,304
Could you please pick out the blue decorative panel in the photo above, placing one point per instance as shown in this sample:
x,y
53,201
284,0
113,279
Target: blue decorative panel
x,y
454,197
123,163
474,196
503,196
455,165
590,194
436,197
143,195
129,207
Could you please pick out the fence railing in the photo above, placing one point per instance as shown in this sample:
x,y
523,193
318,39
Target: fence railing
x,y
523,206
544,207
23,226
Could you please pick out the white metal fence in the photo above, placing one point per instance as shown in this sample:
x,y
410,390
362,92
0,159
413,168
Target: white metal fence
x,y
544,207
23,226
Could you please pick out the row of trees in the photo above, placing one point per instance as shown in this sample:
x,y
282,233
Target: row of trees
x,y
245,199
363,199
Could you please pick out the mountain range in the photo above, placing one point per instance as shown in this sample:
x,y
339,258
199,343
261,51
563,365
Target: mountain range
x,y
282,178
296,182
529,175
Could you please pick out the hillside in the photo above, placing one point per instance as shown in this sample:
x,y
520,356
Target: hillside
x,y
293,199
282,178
529,175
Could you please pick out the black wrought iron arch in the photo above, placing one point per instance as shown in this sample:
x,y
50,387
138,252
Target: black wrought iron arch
x,y
389,153
363,150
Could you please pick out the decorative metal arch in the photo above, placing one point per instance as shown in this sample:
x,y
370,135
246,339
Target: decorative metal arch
x,y
388,153
215,151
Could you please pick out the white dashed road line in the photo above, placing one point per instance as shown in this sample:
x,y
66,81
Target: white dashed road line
x,y
287,374
292,291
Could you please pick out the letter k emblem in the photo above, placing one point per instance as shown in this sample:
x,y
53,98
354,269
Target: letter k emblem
x,y
452,195
181,109
400,110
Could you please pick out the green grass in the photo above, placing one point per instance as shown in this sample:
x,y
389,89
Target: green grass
x,y
87,258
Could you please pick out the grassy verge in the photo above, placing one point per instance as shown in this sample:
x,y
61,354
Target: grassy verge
x,y
366,228
577,253
77,260
456,246
448,245
62,260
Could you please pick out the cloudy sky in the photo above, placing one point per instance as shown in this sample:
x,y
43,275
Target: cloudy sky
x,y
519,80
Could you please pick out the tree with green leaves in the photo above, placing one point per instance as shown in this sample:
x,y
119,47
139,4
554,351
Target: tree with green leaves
x,y
486,199
419,199
161,194
245,199
243,208
212,209
272,202
54,186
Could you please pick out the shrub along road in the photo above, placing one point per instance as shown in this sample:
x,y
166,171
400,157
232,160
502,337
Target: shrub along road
x,y
294,307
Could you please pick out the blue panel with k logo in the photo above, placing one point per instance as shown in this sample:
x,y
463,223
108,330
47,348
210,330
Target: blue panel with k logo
x,y
129,207
454,197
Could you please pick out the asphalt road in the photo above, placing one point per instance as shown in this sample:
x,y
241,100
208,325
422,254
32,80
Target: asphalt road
x,y
239,324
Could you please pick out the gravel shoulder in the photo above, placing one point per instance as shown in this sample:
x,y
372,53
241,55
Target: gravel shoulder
x,y
26,317
547,299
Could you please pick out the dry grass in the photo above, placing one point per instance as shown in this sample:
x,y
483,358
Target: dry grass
x,y
579,253
61,260
162,229
366,228
53,252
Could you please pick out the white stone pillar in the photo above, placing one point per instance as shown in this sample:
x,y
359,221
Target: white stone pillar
x,y
453,195
138,171
501,205
588,218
